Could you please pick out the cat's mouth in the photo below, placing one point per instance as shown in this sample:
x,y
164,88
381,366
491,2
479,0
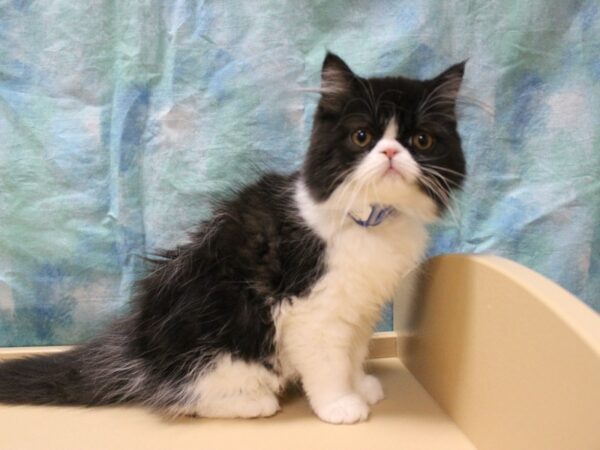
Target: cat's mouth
x,y
393,171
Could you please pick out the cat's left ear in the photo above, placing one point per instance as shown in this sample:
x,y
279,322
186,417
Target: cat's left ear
x,y
447,84
336,82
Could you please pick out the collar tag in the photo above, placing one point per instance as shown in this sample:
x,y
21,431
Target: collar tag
x,y
377,215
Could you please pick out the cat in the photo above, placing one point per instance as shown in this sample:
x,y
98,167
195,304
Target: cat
x,y
287,280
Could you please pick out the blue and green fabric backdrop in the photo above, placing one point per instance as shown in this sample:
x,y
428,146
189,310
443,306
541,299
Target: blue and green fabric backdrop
x,y
120,120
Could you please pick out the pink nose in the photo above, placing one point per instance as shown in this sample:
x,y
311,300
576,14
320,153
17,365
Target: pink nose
x,y
390,152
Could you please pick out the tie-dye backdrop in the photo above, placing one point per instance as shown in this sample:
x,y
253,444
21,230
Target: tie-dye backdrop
x,y
120,120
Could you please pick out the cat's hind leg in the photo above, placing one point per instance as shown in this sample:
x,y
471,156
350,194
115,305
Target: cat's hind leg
x,y
235,388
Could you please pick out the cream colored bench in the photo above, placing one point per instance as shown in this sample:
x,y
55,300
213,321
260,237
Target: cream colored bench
x,y
492,356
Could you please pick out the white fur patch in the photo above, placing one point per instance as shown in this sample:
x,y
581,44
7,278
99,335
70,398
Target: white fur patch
x,y
391,130
374,170
234,388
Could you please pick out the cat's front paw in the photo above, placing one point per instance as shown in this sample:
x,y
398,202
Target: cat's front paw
x,y
347,409
370,389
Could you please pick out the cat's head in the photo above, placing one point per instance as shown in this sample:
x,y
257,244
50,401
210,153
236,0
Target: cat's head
x,y
390,141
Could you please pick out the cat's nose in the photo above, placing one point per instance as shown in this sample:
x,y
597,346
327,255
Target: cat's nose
x,y
390,152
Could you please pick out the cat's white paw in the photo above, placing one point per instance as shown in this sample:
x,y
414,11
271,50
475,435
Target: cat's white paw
x,y
260,406
347,409
245,406
370,389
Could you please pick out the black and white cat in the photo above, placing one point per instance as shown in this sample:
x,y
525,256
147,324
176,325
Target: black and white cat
x,y
287,280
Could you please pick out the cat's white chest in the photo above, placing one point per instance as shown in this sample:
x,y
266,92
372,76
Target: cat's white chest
x,y
363,268
369,263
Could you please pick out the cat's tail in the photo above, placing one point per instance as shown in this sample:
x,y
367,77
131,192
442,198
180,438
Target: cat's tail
x,y
94,374
54,379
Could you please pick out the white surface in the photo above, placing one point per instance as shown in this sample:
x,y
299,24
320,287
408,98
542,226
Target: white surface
x,y
408,419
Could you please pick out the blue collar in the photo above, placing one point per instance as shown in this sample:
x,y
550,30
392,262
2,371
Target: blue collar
x,y
377,215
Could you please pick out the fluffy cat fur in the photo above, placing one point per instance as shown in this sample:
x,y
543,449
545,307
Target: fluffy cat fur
x,y
281,284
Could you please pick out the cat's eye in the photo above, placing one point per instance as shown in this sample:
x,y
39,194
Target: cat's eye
x,y
421,141
362,137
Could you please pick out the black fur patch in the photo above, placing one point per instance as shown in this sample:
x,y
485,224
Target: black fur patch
x,y
210,296
216,293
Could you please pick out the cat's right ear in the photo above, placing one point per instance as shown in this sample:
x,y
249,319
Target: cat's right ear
x,y
336,82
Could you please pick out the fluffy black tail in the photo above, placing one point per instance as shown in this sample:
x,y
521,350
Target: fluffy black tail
x,y
98,373
55,379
